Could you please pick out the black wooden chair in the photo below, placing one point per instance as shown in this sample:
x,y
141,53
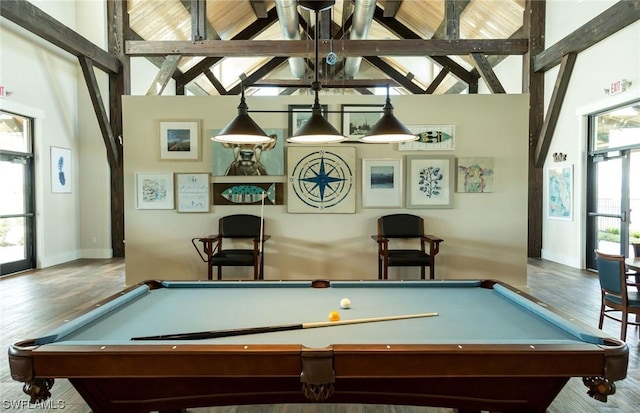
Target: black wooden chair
x,y
240,226
616,296
408,227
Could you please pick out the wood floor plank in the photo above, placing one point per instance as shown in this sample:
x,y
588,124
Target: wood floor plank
x,y
34,301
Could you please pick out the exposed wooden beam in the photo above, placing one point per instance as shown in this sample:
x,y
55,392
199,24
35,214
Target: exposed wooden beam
x,y
31,18
103,119
401,79
200,26
326,84
452,13
216,83
261,72
259,8
483,66
249,32
555,105
198,20
391,7
533,84
615,18
348,48
404,32
164,75
441,31
119,85
436,81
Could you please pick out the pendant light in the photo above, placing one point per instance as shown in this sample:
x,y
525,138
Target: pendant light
x,y
316,129
242,129
388,129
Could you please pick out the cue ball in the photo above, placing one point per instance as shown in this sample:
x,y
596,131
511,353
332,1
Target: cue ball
x,y
345,303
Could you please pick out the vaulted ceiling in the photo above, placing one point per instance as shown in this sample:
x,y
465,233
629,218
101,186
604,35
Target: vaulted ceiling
x,y
398,57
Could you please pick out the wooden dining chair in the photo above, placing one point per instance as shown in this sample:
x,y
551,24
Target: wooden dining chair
x,y
408,227
615,294
217,254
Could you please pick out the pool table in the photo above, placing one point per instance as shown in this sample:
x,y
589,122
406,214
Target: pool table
x,y
490,347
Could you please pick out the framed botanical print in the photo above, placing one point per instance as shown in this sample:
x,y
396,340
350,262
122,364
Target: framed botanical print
x,y
430,181
382,183
60,170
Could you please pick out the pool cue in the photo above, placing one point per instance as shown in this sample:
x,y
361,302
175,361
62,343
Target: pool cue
x,y
270,329
264,194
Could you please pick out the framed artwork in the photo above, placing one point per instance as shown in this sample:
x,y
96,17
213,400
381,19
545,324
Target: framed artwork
x,y
299,114
192,192
321,179
248,193
180,140
248,159
430,181
475,174
154,190
430,138
560,183
382,183
357,120
60,170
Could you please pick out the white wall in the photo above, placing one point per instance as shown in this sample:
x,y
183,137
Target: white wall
x,y
615,58
485,234
46,83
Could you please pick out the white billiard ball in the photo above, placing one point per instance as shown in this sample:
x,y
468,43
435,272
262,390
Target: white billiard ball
x,y
345,303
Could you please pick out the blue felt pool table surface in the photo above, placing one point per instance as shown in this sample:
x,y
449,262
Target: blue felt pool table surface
x,y
466,314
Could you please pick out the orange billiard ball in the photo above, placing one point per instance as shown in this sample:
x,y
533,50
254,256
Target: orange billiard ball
x,y
334,316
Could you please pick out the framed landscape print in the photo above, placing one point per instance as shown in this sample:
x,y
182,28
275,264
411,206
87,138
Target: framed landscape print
x,y
154,190
430,181
382,183
180,140
357,120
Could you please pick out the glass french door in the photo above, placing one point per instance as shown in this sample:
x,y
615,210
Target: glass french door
x,y
17,214
613,182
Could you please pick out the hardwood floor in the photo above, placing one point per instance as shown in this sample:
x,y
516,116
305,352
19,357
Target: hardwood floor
x,y
34,301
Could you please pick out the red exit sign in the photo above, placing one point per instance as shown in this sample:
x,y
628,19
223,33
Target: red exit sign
x,y
616,87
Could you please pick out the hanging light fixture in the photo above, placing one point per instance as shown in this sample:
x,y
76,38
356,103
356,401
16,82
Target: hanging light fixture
x,y
316,129
388,129
242,129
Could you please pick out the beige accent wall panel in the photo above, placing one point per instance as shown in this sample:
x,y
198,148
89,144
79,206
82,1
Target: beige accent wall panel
x,y
485,234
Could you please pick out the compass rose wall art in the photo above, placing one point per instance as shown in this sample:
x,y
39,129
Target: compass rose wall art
x,y
321,180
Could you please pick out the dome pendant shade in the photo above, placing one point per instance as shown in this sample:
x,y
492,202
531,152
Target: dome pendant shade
x,y
316,130
242,129
388,129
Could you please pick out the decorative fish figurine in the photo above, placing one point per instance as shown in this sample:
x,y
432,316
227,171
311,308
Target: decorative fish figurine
x,y
249,194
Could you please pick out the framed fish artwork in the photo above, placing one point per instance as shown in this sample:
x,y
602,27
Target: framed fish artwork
x,y
248,193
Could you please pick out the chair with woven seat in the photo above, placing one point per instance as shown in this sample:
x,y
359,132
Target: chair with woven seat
x,y
238,227
615,294
408,227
